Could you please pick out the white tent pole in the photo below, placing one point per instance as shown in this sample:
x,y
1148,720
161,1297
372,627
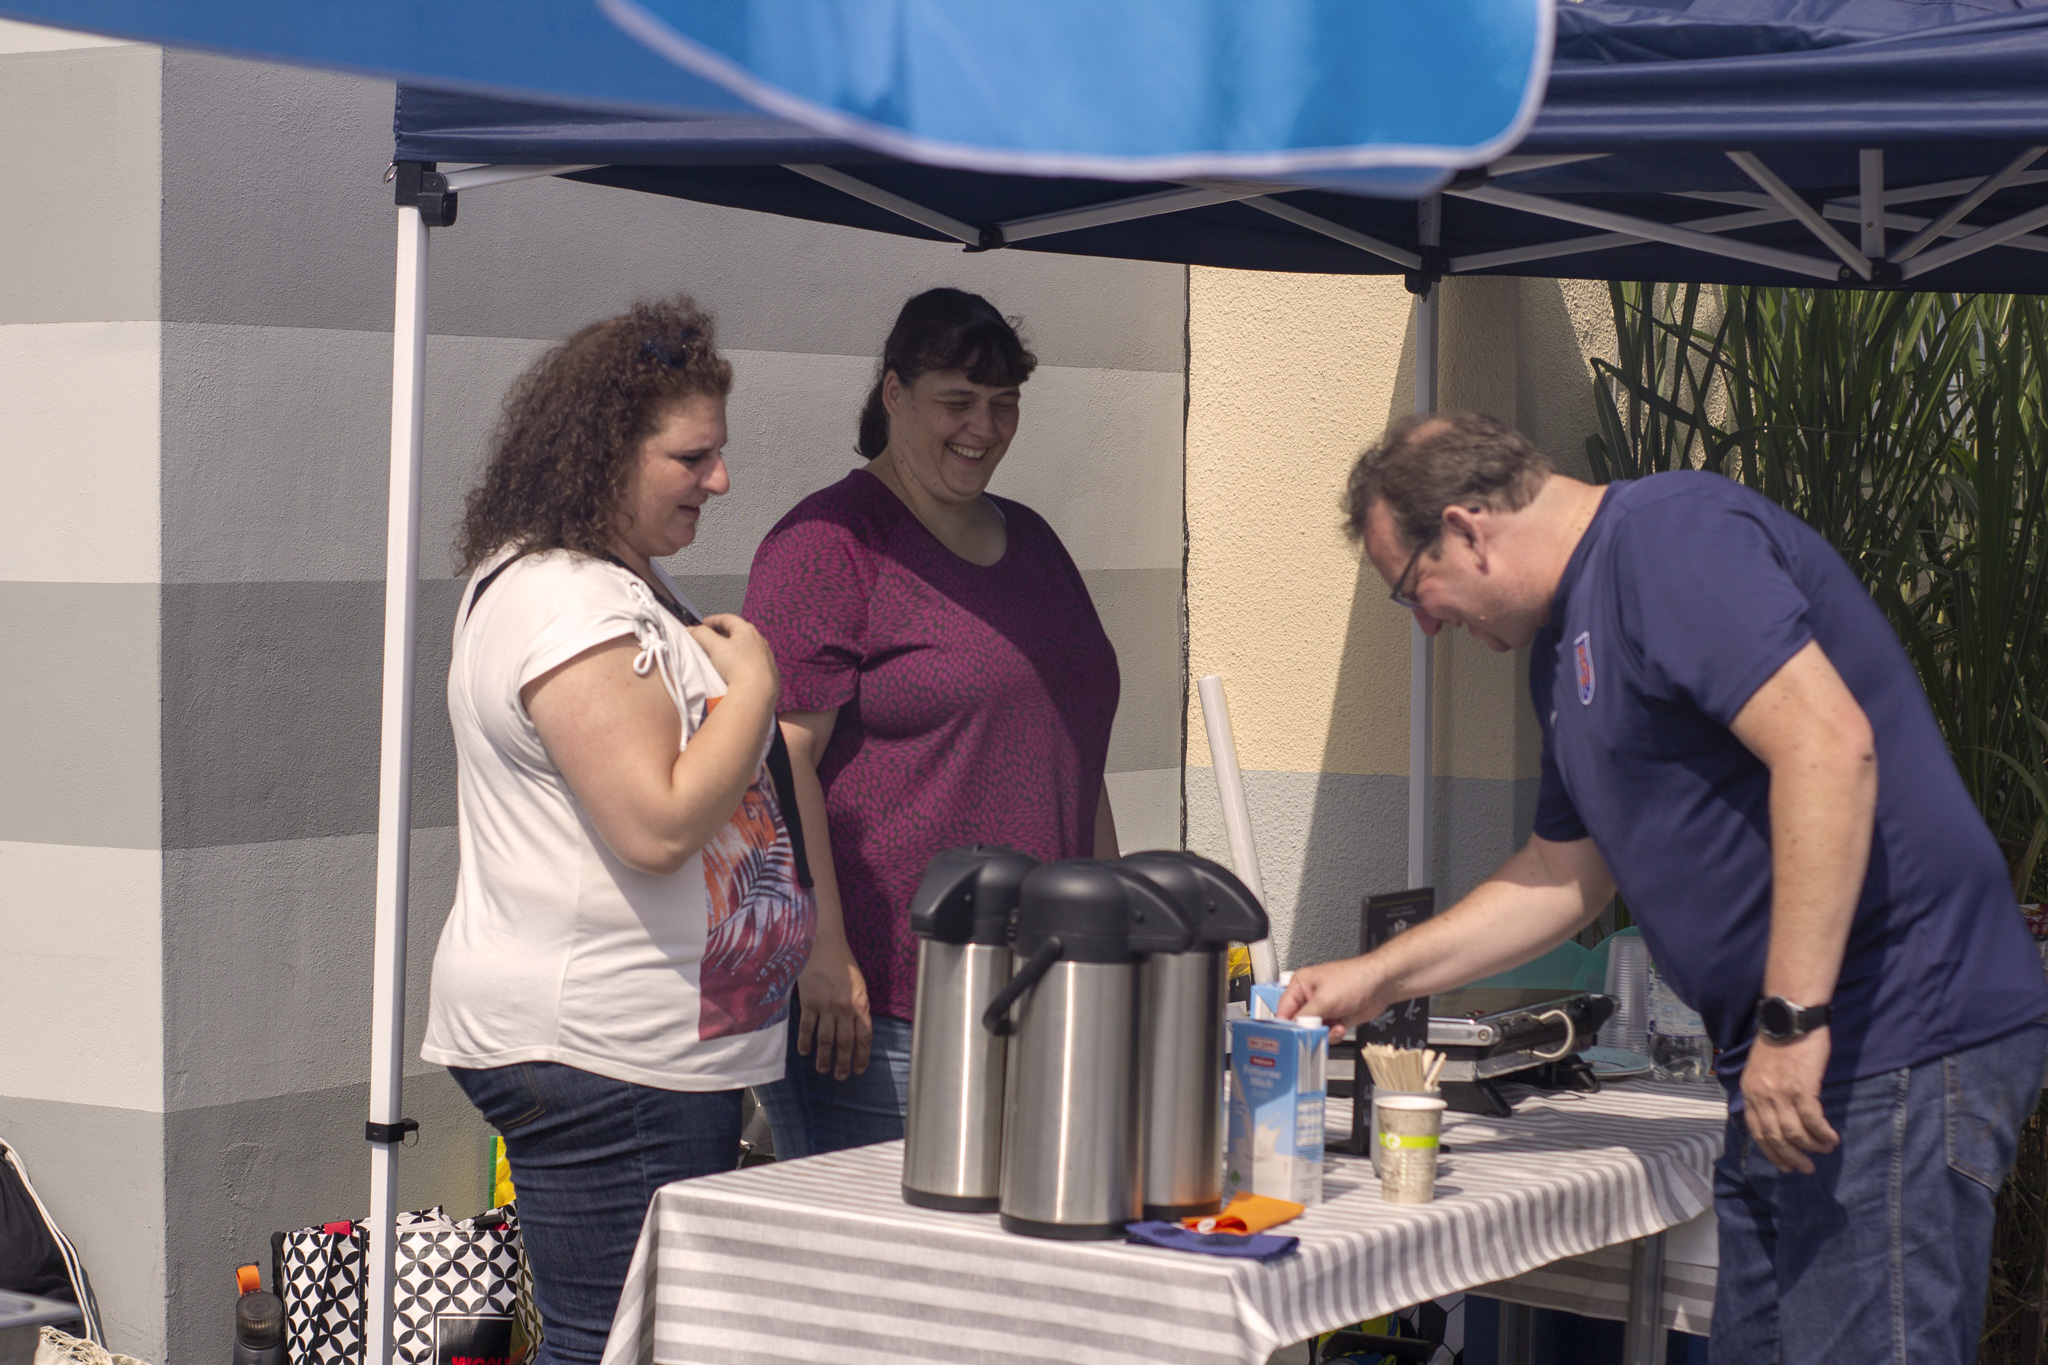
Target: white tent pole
x,y
1237,820
394,778
1421,659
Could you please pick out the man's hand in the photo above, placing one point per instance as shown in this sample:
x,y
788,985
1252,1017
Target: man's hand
x,y
1781,1099
1346,994
835,1018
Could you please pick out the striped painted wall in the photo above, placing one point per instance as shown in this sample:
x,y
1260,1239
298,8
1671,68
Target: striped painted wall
x,y
194,369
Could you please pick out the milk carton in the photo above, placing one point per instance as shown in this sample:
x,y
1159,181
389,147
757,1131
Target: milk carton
x,y
1277,1084
1265,1000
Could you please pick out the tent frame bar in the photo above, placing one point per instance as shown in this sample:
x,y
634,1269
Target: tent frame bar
x,y
894,203
1870,208
1650,230
1955,212
478,177
1870,193
1808,216
1572,246
1337,232
1998,234
1123,210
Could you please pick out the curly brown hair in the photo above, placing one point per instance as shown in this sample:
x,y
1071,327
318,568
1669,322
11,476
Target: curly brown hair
x,y
571,424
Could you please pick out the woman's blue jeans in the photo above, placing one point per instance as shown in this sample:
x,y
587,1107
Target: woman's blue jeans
x,y
587,1154
1883,1254
809,1112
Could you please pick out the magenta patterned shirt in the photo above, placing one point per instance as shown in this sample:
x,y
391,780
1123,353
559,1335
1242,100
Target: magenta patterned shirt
x,y
974,703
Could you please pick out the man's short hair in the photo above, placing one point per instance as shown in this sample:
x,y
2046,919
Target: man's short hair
x,y
1430,461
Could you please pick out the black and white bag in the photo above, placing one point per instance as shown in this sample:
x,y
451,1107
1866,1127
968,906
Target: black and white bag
x,y
464,1291
35,1255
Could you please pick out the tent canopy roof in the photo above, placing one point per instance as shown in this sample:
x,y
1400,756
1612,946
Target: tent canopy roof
x,y
1712,140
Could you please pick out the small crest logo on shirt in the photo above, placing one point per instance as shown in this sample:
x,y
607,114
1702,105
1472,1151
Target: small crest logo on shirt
x,y
1582,656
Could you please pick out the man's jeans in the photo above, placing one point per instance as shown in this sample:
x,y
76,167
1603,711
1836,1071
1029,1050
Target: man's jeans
x,y
810,1113
1883,1253
587,1154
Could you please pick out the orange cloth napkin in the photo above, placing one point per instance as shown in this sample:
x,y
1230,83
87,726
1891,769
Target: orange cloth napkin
x,y
1247,1213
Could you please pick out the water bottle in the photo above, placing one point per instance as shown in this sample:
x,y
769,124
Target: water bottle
x,y
259,1329
1678,1038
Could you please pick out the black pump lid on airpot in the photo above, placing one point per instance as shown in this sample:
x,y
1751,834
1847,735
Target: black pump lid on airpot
x,y
969,895
1212,907
1084,904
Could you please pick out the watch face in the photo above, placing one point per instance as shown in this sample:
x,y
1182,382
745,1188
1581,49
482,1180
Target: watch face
x,y
1774,1017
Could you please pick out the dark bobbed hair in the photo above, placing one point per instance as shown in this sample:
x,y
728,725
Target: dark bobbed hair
x,y
940,330
572,423
1430,461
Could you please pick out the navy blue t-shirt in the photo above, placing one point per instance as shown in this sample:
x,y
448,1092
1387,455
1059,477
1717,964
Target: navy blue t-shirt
x,y
1686,594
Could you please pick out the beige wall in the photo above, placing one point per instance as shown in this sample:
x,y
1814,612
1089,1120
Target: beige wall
x,y
1289,377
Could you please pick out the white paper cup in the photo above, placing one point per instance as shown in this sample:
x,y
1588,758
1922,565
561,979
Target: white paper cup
x,y
1410,1127
1372,1142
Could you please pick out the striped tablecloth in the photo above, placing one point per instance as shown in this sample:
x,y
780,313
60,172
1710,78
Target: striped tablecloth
x,y
1596,1285
821,1260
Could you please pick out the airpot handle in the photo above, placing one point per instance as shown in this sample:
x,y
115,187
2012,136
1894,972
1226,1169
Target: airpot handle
x,y
996,1018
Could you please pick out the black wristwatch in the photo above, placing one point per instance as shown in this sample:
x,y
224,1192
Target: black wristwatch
x,y
1779,1020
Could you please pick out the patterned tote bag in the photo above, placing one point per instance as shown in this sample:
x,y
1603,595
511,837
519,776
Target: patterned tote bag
x,y
464,1294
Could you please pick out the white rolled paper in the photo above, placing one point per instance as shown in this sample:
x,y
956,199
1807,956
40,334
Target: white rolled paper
x,y
1237,820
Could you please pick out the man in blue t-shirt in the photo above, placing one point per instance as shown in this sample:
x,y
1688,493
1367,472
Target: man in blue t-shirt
x,y
1734,739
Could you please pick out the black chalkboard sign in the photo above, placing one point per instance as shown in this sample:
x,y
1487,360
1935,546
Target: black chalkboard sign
x,y
1406,1023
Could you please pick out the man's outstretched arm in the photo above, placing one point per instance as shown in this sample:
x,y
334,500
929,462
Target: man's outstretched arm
x,y
1538,898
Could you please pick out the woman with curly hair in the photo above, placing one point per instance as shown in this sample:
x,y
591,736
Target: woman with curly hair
x,y
630,912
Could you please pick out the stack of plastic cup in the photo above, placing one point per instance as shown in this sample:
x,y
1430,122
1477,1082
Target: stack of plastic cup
x,y
1410,1129
1628,982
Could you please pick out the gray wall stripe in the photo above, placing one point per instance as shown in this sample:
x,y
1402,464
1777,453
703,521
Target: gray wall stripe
x,y
80,158
78,713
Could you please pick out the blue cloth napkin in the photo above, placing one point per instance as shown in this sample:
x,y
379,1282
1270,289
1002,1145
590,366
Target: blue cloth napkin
x,y
1260,1246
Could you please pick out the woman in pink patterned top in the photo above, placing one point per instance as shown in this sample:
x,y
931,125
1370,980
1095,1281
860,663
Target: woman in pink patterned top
x,y
945,681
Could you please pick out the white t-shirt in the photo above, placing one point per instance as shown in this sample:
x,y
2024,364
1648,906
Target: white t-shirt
x,y
556,950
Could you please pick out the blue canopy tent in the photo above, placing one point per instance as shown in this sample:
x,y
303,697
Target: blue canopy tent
x,y
1916,125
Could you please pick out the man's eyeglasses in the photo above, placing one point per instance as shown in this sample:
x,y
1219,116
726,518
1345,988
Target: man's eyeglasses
x,y
1401,598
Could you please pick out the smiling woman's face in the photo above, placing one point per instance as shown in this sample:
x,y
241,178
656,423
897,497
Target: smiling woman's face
x,y
676,470
948,433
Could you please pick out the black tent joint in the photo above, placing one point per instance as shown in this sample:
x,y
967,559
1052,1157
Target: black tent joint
x,y
1435,265
420,185
390,1132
